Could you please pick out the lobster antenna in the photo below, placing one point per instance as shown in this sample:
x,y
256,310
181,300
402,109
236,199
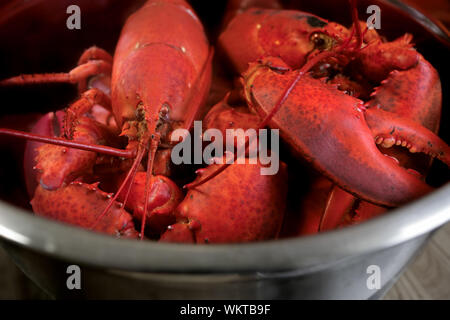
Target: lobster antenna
x,y
209,177
357,26
70,143
148,177
129,187
131,174
223,166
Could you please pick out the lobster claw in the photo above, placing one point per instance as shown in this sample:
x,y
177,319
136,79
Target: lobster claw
x,y
163,199
50,125
239,205
57,166
80,204
329,129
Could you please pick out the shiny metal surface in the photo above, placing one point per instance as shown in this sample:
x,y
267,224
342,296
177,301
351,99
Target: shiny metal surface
x,y
343,279
307,253
435,27
328,265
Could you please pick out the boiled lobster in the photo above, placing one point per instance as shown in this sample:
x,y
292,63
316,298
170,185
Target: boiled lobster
x,y
314,81
160,75
251,209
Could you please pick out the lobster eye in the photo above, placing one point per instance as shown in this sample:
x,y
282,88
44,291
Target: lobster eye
x,y
321,41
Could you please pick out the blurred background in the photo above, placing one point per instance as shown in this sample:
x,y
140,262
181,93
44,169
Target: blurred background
x,y
438,9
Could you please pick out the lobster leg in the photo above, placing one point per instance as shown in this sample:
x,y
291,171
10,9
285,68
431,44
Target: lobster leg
x,y
94,61
83,105
80,73
95,53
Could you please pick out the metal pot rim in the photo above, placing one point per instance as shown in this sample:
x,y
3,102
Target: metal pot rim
x,y
77,245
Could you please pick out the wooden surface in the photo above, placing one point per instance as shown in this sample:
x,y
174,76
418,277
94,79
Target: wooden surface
x,y
14,284
427,277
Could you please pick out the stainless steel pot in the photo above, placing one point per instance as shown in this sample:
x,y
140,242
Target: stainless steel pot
x,y
330,265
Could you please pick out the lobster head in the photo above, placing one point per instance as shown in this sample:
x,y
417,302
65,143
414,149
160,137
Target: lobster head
x,y
272,34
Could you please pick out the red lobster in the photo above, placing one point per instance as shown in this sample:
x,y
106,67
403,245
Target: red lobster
x,y
160,77
313,80
239,205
